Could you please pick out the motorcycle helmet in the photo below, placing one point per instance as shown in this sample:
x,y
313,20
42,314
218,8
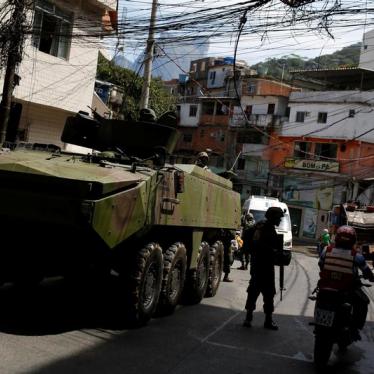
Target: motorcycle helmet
x,y
345,237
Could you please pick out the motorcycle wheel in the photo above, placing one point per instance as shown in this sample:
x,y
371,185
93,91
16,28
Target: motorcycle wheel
x,y
322,350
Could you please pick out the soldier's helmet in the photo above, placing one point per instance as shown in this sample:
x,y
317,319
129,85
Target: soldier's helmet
x,y
249,217
203,155
274,212
147,114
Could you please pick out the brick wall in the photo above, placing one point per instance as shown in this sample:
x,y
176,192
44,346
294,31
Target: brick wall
x,y
266,87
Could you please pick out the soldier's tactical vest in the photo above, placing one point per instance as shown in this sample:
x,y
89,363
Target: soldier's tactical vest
x,y
338,269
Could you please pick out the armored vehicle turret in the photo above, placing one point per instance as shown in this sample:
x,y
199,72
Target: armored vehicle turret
x,y
119,210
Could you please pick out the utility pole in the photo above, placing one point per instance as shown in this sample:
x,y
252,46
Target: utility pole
x,y
149,57
14,58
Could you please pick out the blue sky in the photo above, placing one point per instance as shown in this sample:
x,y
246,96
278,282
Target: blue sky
x,y
253,47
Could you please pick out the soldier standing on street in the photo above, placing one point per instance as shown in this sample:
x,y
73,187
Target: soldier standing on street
x,y
263,245
248,223
228,255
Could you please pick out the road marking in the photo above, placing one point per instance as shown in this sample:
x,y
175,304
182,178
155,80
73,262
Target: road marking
x,y
299,356
203,340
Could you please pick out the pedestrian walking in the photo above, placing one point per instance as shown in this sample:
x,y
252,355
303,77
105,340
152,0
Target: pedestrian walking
x,y
248,223
263,248
324,241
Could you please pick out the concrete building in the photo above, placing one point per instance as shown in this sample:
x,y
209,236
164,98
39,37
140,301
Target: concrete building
x,y
205,125
319,156
58,67
264,106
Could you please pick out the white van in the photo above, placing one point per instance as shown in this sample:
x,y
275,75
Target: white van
x,y
258,205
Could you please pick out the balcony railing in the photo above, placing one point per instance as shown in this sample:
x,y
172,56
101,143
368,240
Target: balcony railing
x,y
259,120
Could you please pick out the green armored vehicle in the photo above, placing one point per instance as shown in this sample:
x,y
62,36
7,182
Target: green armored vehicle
x,y
119,211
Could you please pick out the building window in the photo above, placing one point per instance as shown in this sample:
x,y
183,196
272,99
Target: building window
x,y
248,110
322,117
208,108
187,138
241,164
202,68
193,110
52,29
212,77
271,108
302,149
251,88
325,150
287,113
202,133
250,138
222,109
300,116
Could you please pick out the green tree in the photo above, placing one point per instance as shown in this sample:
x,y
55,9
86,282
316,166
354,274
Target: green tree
x,y
160,100
280,67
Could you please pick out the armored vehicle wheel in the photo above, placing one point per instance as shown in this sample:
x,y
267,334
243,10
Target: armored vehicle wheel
x,y
28,278
175,264
143,284
197,279
215,268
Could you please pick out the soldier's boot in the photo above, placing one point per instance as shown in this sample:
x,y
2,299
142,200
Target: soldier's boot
x,y
269,323
248,319
227,279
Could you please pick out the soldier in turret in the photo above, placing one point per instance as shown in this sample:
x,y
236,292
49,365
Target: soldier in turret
x,y
202,160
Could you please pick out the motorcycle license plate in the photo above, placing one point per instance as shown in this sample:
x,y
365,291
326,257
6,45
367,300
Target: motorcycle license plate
x,y
324,317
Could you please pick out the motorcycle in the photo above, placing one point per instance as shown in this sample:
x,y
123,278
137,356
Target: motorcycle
x,y
333,317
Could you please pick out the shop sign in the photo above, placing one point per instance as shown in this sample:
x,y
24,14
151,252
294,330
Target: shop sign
x,y
316,165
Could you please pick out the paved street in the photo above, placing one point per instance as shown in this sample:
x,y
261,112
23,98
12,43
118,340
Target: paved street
x,y
64,330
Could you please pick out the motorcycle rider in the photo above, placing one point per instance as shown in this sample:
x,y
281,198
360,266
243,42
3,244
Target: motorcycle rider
x,y
262,248
339,264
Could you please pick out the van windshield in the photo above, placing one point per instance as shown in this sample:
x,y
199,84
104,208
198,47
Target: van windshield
x,y
285,224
